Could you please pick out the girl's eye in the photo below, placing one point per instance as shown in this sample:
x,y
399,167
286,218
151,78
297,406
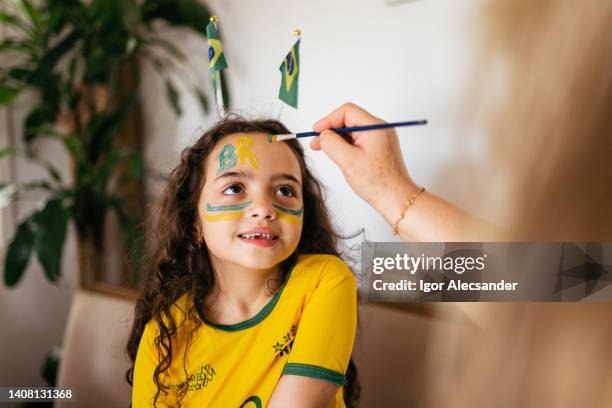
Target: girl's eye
x,y
285,191
233,189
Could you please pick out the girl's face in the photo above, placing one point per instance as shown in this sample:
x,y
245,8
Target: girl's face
x,y
250,211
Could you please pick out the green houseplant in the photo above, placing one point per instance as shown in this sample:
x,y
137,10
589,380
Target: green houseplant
x,y
81,58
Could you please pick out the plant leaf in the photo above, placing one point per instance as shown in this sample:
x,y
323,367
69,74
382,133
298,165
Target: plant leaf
x,y
8,19
8,194
102,130
173,97
18,254
75,147
33,185
202,99
7,94
64,13
133,236
19,73
6,151
189,13
51,169
33,13
10,44
168,46
51,223
136,164
72,67
50,59
104,171
11,20
49,370
35,119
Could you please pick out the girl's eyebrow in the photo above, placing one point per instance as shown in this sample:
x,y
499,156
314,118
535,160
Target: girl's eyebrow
x,y
235,174
241,174
285,176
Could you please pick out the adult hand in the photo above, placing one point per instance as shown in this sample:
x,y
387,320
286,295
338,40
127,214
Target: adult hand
x,y
373,165
371,161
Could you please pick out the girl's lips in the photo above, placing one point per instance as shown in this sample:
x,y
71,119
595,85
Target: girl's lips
x,y
260,242
259,236
260,231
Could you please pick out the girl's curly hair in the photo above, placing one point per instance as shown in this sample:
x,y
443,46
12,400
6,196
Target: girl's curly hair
x,y
174,264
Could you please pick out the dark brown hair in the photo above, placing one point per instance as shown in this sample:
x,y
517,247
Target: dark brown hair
x,y
174,264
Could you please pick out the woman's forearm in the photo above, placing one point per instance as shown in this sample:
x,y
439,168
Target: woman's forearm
x,y
431,218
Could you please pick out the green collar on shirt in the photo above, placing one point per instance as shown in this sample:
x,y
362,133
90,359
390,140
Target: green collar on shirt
x,y
265,311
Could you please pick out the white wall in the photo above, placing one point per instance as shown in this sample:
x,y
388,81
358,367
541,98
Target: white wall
x,y
407,61
401,62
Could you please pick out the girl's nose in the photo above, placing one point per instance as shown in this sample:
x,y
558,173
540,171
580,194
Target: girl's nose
x,y
262,209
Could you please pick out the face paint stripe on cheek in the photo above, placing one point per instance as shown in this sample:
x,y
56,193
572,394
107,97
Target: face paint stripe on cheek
x,y
226,212
223,216
291,219
288,215
297,213
234,207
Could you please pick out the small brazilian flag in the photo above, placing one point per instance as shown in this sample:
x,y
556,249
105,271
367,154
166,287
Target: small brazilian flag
x,y
215,53
290,71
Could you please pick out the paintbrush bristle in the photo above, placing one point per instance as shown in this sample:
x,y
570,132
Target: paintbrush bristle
x,y
287,136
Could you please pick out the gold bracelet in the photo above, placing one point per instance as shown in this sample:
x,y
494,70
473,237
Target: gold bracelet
x,y
408,204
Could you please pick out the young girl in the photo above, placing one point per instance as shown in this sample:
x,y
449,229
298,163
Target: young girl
x,y
245,303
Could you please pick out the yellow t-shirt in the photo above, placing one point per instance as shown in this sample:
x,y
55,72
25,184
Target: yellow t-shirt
x,y
307,329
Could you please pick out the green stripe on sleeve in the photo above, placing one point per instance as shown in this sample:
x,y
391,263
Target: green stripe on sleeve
x,y
320,373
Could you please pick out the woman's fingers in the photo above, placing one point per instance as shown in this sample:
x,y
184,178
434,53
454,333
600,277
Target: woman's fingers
x,y
315,143
338,149
347,115
371,161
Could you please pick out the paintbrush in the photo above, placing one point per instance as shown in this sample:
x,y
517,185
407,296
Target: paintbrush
x,y
278,138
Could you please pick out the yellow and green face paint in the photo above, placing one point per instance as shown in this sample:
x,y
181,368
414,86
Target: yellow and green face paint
x,y
230,212
288,215
227,158
225,212
244,153
229,155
